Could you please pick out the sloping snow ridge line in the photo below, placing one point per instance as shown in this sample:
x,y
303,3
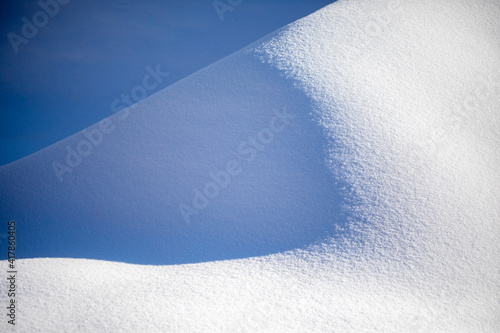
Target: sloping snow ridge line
x,y
347,165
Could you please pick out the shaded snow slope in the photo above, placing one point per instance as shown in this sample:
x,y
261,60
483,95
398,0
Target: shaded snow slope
x,y
382,182
145,193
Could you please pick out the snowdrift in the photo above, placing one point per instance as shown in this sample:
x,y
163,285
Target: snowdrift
x,y
225,164
355,150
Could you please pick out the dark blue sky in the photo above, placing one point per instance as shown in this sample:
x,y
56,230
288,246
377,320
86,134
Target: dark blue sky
x,y
85,54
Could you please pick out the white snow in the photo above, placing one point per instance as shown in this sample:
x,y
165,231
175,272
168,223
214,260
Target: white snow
x,y
373,206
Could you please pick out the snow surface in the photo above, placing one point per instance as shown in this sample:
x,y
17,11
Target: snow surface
x,y
373,206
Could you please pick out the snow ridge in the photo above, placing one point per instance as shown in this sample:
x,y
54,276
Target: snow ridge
x,y
346,164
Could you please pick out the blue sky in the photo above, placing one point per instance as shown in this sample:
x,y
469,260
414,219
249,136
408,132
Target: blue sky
x,y
65,77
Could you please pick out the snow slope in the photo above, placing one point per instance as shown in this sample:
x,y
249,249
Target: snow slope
x,y
355,152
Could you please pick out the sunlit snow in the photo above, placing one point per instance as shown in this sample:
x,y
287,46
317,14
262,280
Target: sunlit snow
x,y
338,175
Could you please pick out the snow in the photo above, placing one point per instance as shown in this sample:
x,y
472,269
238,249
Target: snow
x,y
369,201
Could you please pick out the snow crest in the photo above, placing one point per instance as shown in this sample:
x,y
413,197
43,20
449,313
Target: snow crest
x,y
355,151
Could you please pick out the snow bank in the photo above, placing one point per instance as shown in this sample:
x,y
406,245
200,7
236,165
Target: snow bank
x,y
225,164
363,139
